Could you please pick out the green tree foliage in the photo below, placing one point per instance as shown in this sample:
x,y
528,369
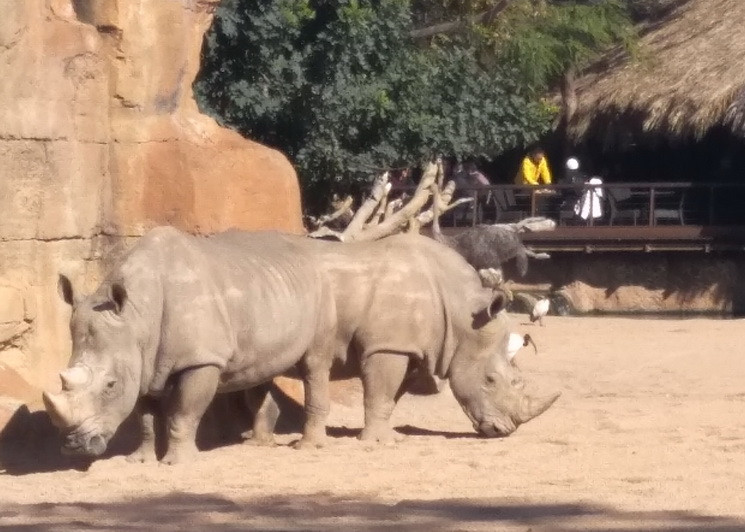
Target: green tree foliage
x,y
339,87
344,90
549,38
543,38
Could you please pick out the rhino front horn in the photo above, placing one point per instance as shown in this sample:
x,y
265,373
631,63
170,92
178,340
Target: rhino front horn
x,y
75,377
531,407
58,409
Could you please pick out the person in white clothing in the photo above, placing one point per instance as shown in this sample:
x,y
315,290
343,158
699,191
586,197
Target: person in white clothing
x,y
590,204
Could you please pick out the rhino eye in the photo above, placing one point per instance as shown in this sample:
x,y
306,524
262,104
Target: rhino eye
x,y
490,379
110,384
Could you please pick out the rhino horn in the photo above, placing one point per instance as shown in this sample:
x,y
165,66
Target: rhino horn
x,y
75,377
58,409
531,407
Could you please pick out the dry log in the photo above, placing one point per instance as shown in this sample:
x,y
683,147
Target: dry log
x,y
380,189
342,214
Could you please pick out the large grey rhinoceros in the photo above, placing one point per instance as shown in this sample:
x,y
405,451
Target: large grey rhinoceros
x,y
187,317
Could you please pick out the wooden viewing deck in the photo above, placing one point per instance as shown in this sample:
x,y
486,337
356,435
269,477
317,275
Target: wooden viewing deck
x,y
622,238
644,217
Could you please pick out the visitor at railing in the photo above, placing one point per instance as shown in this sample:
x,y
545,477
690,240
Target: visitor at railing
x,y
534,169
468,176
572,200
590,207
468,181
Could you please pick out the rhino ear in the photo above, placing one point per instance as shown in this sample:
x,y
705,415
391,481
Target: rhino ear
x,y
117,296
64,287
498,303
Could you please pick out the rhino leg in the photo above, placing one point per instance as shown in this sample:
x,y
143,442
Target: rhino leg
x,y
146,411
383,375
265,411
317,372
192,395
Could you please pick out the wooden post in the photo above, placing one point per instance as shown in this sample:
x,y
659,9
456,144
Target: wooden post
x,y
532,202
651,206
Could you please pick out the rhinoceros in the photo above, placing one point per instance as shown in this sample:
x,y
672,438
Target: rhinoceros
x,y
186,317
409,308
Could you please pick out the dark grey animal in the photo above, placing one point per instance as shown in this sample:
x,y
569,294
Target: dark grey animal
x,y
490,246
186,317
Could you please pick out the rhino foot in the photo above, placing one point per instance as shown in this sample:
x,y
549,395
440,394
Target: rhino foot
x,y
259,440
180,454
386,436
309,443
141,456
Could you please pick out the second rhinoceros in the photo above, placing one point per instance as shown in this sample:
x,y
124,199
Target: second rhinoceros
x,y
187,317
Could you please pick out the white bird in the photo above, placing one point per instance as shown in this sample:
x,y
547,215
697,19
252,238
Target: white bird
x,y
540,309
516,342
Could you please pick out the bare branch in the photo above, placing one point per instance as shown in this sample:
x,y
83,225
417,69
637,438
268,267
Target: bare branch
x,y
453,205
394,206
398,220
414,225
485,17
326,233
380,210
379,191
342,208
491,277
529,225
428,216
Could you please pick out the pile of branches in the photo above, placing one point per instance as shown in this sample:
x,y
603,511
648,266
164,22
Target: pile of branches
x,y
378,216
485,247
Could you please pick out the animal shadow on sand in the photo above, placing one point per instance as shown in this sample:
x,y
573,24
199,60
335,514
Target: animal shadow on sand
x,y
406,430
322,511
30,444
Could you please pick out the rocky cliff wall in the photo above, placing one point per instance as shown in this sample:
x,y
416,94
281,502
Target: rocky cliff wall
x,y
100,139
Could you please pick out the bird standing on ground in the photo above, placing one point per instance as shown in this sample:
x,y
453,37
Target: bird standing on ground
x,y
540,309
516,342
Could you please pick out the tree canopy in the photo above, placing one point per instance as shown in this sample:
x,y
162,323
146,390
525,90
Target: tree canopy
x,y
348,88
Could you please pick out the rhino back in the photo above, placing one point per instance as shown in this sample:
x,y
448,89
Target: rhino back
x,y
405,293
249,303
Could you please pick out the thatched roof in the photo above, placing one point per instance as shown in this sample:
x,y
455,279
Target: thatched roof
x,y
688,78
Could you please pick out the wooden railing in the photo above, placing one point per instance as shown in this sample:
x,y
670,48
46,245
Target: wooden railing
x,y
608,204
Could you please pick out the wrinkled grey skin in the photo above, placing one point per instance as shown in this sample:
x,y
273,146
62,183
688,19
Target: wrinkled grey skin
x,y
408,305
186,317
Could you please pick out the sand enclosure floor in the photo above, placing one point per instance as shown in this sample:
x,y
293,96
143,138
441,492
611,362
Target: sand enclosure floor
x,y
649,434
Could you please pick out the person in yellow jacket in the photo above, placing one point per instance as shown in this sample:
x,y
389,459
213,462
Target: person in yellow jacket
x,y
534,169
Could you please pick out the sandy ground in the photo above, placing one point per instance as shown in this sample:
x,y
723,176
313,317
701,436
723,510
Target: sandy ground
x,y
648,435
